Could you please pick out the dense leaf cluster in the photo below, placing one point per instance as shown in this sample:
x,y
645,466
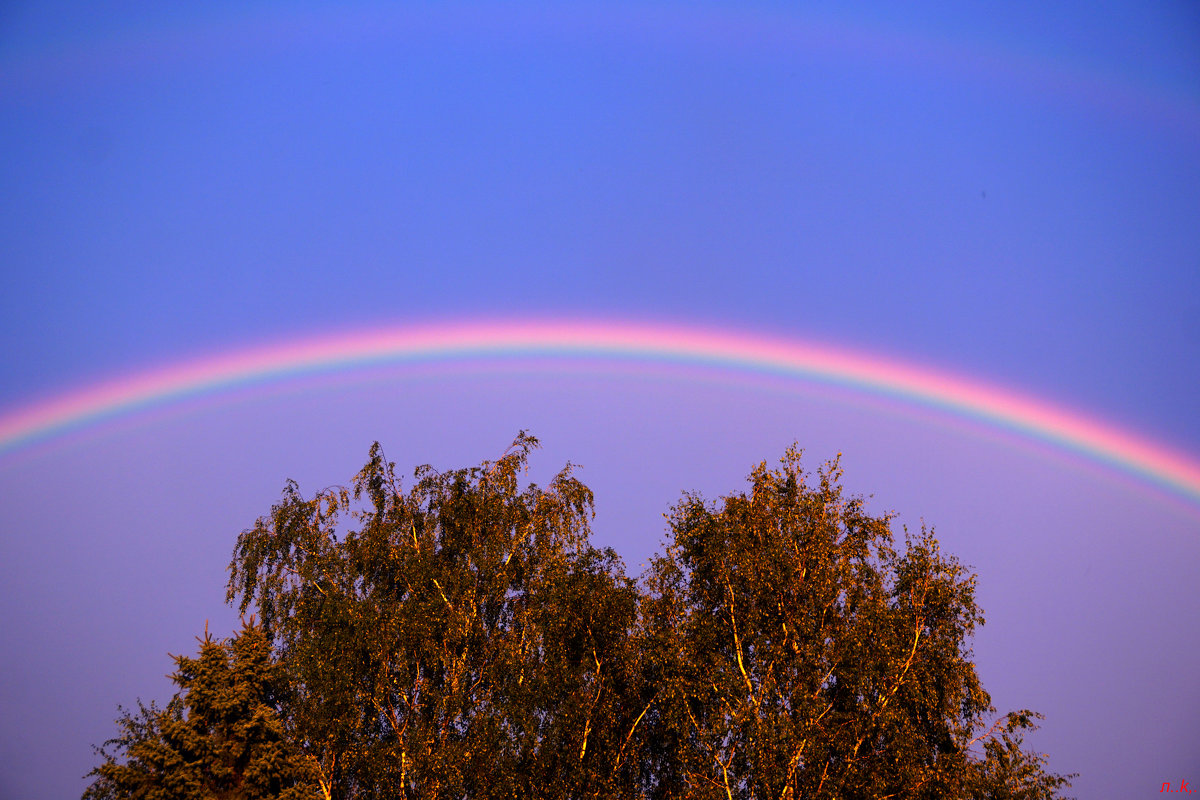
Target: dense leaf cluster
x,y
462,639
220,737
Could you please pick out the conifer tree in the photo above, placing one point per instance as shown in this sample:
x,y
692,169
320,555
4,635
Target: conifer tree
x,y
221,736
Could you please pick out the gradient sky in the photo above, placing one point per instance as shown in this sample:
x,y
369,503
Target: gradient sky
x,y
1008,194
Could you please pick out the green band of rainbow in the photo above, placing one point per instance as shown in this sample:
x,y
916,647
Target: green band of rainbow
x,y
622,342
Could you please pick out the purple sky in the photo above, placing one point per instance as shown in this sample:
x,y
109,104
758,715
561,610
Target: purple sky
x,y
1012,196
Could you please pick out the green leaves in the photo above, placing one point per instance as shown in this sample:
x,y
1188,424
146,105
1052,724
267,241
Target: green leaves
x,y
462,639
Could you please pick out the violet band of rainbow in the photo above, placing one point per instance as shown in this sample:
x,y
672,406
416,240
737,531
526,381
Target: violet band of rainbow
x,y
959,396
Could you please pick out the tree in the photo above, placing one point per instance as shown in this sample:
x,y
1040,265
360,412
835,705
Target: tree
x,y
220,736
462,639
805,657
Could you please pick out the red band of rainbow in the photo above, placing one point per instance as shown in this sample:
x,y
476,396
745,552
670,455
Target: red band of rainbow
x,y
961,397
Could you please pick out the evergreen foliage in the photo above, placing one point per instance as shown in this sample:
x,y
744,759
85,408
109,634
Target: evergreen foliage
x,y
462,639
221,736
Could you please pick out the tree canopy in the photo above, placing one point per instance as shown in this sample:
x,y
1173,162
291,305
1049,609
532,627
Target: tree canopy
x,y
463,639
221,736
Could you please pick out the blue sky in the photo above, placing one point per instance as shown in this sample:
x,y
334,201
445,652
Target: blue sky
x,y
1006,193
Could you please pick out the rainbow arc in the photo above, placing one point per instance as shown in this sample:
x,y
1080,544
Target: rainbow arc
x,y
621,342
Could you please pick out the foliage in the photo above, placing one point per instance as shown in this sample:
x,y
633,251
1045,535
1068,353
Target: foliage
x,y
220,736
462,639
807,657
1009,772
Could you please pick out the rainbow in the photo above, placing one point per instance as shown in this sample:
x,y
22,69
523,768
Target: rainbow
x,y
260,31
620,342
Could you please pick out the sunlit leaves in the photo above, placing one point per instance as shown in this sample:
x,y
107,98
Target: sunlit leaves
x,y
460,638
805,656
221,736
